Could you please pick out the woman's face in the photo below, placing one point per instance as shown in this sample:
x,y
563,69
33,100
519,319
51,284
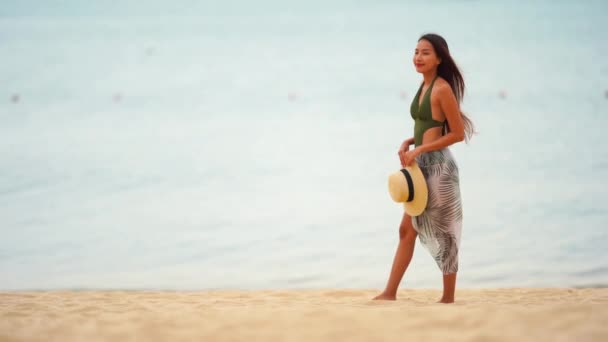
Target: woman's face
x,y
425,59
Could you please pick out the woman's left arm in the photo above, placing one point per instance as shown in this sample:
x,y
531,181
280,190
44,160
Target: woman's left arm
x,y
449,106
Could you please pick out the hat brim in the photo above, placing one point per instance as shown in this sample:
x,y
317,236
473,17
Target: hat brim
x,y
421,194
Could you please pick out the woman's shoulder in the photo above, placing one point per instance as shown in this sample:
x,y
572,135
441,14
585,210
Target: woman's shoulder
x,y
440,83
442,86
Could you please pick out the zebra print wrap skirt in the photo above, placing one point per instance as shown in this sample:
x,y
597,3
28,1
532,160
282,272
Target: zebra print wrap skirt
x,y
440,224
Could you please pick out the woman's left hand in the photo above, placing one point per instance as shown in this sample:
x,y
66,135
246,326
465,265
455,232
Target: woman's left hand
x,y
410,156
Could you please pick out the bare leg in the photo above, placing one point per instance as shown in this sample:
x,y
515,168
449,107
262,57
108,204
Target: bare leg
x,y
403,256
449,287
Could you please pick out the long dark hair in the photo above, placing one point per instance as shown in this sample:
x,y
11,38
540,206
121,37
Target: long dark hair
x,y
448,70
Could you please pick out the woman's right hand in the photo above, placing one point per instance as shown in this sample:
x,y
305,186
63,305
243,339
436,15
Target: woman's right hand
x,y
405,146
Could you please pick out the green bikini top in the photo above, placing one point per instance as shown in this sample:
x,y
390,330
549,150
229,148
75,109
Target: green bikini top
x,y
422,115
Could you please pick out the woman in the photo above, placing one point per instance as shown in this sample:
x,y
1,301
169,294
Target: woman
x,y
438,123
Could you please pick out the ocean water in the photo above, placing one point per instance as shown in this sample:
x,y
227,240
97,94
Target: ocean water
x,y
197,145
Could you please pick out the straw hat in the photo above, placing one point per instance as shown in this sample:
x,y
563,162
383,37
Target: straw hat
x,y
409,186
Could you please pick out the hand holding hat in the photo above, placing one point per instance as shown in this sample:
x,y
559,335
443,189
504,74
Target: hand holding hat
x,y
409,187
409,156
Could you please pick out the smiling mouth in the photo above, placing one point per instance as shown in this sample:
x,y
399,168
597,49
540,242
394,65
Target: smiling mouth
x,y
419,65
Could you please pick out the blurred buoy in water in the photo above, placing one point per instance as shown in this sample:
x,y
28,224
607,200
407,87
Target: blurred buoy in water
x,y
403,95
15,98
292,96
502,94
150,51
117,97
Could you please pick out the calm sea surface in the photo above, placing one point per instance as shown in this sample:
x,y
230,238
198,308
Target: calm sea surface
x,y
192,145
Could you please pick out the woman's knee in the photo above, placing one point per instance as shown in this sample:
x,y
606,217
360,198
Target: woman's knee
x,y
406,231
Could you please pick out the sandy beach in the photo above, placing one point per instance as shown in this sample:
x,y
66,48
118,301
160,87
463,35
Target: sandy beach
x,y
527,314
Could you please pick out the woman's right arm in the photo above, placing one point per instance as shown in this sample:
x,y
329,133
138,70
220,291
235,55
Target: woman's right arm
x,y
406,144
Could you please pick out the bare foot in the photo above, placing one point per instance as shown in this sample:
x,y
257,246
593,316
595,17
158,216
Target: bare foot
x,y
446,300
384,296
